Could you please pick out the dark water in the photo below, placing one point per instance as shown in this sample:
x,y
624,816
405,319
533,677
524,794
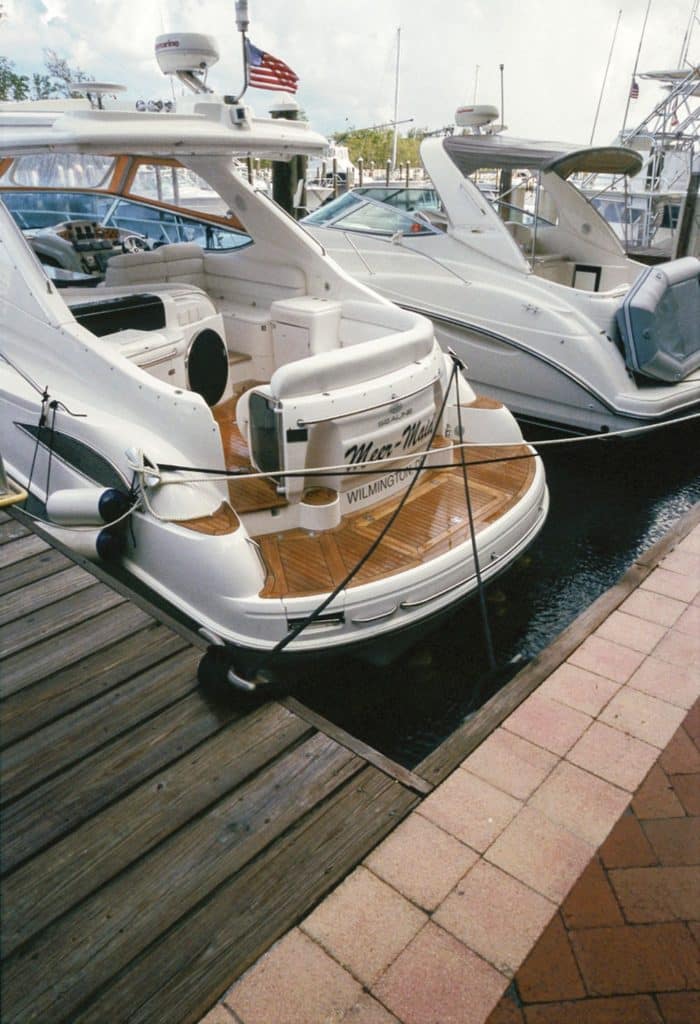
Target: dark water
x,y
610,500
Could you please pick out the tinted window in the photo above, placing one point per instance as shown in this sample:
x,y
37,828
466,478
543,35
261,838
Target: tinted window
x,y
159,226
43,209
162,226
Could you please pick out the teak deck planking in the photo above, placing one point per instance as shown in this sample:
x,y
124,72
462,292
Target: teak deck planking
x,y
433,519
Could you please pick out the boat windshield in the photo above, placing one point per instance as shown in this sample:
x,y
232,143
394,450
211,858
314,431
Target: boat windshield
x,y
359,212
44,208
60,170
402,198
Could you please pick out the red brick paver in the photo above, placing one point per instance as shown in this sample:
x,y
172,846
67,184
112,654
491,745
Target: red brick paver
x,y
625,948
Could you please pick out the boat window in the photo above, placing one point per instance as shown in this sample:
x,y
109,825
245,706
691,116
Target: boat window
x,y
158,226
671,213
407,199
38,209
60,170
360,213
333,209
163,226
509,212
176,185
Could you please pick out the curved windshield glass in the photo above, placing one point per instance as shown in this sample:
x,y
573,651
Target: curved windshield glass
x,y
61,170
407,199
358,212
38,209
44,209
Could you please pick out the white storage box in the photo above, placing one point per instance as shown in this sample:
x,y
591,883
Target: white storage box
x,y
303,327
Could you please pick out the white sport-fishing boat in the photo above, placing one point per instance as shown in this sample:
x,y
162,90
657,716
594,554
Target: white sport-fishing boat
x,y
531,288
259,439
646,210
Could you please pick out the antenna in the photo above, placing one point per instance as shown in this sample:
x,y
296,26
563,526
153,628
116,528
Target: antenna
x,y
605,77
94,91
242,23
503,116
395,142
688,32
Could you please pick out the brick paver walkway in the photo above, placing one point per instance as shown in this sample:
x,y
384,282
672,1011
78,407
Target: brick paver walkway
x,y
623,949
552,878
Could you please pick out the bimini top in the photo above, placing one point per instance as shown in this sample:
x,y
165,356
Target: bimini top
x,y
209,126
475,152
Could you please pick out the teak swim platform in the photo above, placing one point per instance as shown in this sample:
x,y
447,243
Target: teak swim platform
x,y
156,840
434,519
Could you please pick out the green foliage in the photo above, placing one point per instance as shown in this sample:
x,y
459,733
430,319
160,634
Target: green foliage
x,y
42,87
62,74
374,145
12,85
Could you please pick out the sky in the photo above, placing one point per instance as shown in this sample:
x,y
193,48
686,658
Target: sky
x,y
554,54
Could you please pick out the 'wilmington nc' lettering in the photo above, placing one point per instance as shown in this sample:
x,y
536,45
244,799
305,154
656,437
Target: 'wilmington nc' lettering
x,y
368,490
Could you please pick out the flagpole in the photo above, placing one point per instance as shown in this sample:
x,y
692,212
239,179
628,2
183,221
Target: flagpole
x,y
242,22
634,74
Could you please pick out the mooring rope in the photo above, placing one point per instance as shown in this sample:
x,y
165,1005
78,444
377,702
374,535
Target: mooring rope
x,y
304,623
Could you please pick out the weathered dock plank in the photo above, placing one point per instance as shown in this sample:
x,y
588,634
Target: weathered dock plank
x,y
20,549
12,529
47,622
34,663
42,592
63,802
72,738
139,810
27,570
50,976
69,870
181,975
28,710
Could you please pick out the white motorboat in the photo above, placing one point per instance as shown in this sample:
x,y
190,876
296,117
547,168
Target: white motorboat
x,y
531,288
265,443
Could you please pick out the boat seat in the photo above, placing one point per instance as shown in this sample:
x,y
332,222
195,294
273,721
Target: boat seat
x,y
181,262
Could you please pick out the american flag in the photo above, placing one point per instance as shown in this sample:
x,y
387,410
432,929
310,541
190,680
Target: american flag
x,y
268,72
634,90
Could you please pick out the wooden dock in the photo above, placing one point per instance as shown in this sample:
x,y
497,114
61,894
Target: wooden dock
x,y
155,840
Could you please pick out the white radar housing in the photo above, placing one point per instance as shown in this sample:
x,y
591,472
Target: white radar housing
x,y
475,116
185,51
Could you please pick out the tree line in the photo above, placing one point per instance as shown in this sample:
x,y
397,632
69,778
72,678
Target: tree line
x,y
53,82
374,145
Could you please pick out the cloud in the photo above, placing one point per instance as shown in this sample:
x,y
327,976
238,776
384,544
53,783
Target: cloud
x,y
554,54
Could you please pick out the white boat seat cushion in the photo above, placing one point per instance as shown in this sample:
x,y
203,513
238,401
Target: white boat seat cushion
x,y
181,262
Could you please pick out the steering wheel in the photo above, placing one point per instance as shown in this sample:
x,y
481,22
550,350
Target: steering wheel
x,y
135,243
